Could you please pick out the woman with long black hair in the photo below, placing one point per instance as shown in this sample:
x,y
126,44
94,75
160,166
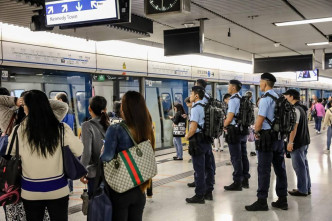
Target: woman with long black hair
x,y
43,182
129,205
93,134
179,130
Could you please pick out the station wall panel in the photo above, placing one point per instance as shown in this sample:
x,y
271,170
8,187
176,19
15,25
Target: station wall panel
x,y
166,70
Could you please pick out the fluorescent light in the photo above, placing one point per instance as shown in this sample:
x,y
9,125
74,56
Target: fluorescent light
x,y
301,22
318,43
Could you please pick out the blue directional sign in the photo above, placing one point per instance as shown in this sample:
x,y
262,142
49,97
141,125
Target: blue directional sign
x,y
65,12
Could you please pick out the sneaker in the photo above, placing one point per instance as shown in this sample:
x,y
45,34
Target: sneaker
x,y
178,159
191,184
327,151
252,154
319,132
259,205
175,158
196,199
296,193
309,191
281,203
245,183
234,187
208,196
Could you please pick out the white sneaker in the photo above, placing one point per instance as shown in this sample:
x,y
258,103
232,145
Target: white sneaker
x,y
326,151
318,132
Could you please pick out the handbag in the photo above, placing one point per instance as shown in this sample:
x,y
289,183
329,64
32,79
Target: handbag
x,y
314,112
131,167
72,167
10,174
100,206
179,130
5,135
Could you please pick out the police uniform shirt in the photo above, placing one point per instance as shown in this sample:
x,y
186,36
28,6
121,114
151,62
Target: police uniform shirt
x,y
234,106
266,108
197,114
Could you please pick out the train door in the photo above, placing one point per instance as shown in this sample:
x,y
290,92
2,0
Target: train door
x,y
304,97
222,89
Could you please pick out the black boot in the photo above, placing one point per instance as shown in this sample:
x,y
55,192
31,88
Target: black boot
x,y
234,187
281,203
259,205
208,196
196,199
245,183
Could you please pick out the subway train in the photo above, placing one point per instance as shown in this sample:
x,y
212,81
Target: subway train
x,y
161,94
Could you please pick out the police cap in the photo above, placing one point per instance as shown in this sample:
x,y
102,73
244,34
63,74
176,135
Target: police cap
x,y
294,93
268,77
236,82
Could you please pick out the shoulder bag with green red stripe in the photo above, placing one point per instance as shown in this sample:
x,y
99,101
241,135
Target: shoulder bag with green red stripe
x,y
131,167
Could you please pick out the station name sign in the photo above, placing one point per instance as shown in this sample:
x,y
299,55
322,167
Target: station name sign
x,y
68,12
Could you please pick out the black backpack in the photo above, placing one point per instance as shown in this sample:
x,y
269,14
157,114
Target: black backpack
x,y
284,116
213,119
246,117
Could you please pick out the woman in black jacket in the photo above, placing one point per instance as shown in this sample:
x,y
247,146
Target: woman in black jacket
x,y
179,130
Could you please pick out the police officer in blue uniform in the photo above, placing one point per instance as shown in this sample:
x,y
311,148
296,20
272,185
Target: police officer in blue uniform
x,y
200,150
270,150
237,140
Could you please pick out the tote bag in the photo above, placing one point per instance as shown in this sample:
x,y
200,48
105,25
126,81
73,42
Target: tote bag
x,y
131,167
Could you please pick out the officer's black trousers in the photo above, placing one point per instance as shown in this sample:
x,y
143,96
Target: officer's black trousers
x,y
239,159
276,157
204,171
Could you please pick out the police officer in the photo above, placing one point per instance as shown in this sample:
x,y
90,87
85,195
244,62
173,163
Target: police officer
x,y
270,150
298,144
237,140
200,150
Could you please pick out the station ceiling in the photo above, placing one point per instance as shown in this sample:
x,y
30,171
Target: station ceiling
x,y
249,21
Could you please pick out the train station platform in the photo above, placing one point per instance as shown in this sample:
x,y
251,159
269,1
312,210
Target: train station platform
x,y
170,191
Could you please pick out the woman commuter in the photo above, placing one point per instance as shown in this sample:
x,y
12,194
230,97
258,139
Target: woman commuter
x,y
93,134
11,107
320,114
179,130
39,139
129,205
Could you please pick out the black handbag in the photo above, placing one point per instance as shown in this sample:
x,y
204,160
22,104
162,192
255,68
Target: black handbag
x,y
72,167
100,205
10,174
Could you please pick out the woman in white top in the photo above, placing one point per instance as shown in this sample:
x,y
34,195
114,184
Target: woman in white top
x,y
43,183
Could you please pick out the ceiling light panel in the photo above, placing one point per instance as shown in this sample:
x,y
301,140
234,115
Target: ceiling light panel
x,y
302,22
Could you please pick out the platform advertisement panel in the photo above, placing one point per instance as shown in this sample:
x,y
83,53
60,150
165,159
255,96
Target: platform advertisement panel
x,y
307,75
166,70
205,73
121,66
33,56
80,11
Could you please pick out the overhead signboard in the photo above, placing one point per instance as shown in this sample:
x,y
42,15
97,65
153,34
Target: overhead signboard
x,y
205,73
307,75
166,70
66,12
44,57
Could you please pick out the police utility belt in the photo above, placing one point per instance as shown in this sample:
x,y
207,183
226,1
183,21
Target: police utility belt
x,y
233,134
195,144
266,140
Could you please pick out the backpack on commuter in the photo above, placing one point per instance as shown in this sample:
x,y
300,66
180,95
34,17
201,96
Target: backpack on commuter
x,y
246,117
284,116
213,120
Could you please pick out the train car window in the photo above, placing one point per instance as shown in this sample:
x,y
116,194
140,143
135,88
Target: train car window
x,y
178,98
166,102
54,93
16,92
81,106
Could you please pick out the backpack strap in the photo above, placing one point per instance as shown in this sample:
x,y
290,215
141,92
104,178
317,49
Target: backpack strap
x,y
274,99
199,104
236,96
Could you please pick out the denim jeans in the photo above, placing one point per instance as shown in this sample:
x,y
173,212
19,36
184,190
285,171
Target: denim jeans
x,y
301,167
329,136
239,159
178,146
276,157
318,123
